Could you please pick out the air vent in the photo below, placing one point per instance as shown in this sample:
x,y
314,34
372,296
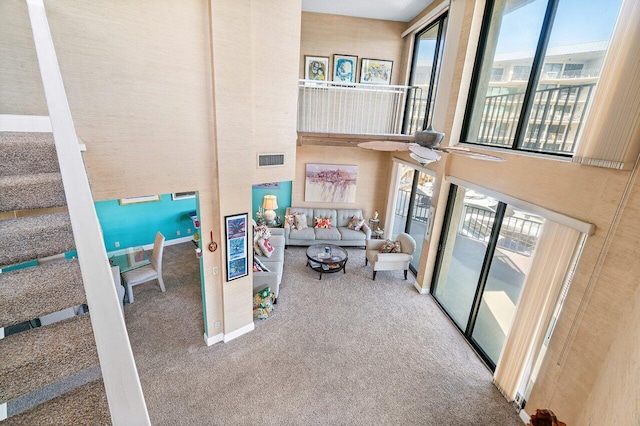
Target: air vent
x,y
270,160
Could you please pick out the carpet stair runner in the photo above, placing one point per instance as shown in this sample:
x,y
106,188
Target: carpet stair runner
x,y
30,360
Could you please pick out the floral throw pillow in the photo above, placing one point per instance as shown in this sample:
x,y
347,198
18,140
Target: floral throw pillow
x,y
265,247
323,222
261,231
391,247
356,223
290,220
301,221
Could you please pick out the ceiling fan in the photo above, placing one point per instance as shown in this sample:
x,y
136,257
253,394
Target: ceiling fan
x,y
424,147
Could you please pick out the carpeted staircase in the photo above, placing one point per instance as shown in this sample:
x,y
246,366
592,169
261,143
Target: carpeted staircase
x,y
34,225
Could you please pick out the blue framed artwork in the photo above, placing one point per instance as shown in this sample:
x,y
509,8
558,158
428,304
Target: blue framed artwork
x,y
237,250
344,68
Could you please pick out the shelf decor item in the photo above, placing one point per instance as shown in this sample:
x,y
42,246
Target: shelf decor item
x,y
237,252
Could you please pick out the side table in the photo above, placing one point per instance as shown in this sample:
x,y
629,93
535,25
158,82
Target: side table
x,y
374,224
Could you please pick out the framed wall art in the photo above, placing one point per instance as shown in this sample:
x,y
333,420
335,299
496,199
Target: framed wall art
x,y
237,251
330,183
375,71
344,68
316,68
143,199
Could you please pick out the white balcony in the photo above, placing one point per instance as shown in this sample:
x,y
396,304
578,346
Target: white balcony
x,y
355,109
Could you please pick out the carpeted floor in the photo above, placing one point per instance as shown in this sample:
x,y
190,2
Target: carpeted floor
x,y
343,350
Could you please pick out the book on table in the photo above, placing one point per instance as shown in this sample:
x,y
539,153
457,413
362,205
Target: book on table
x,y
314,264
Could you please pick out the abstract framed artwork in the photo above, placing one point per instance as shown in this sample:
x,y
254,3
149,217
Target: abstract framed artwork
x,y
316,68
270,185
375,71
237,251
344,68
143,199
330,183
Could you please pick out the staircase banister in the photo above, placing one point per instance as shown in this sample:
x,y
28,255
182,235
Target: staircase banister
x,y
120,376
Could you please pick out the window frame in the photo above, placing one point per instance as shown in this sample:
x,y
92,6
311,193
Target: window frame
x,y
534,77
442,20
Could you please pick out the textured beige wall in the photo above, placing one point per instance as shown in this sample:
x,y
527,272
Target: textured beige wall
x,y
326,35
138,79
371,186
275,37
614,399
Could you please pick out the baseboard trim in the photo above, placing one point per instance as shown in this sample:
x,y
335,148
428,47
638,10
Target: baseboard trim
x,y
420,289
239,332
213,339
524,416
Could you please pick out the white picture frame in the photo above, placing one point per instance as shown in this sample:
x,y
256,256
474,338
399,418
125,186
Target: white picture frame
x,y
142,199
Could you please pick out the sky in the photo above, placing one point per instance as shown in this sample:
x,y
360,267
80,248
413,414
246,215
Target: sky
x,y
577,21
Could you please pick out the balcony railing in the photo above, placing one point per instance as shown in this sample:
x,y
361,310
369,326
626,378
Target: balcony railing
x,y
518,235
555,121
364,109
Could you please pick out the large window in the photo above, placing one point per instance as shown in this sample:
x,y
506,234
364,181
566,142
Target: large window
x,y
555,51
425,69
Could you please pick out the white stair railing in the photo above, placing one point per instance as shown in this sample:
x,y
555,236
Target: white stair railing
x,y
351,108
120,376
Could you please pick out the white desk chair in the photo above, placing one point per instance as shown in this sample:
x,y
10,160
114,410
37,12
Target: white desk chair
x,y
149,272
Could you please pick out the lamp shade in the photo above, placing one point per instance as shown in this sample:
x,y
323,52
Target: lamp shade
x,y
270,202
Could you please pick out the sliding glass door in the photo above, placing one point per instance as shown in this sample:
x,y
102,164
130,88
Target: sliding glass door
x,y
484,257
412,207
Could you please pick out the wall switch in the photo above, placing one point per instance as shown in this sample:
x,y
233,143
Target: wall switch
x,y
188,230
178,233
216,325
117,244
215,270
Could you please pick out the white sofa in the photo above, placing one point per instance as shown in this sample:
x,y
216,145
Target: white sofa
x,y
275,264
339,234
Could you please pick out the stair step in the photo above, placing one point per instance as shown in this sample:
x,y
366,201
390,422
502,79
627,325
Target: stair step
x,y
44,355
86,405
27,153
36,191
33,237
33,292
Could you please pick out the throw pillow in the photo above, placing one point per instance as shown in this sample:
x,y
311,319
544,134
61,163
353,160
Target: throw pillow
x,y
356,223
261,231
265,247
256,248
301,221
261,265
323,222
391,247
290,220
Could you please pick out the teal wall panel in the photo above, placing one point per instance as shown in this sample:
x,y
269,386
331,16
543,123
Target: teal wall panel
x,y
136,224
283,193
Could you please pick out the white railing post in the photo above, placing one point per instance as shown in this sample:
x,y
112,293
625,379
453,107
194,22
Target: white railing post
x,y
120,376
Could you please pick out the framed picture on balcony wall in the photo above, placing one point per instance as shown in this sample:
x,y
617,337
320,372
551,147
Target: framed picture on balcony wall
x,y
375,71
344,68
316,68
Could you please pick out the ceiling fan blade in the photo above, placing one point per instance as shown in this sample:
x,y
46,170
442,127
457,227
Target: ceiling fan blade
x,y
451,149
385,145
473,154
424,152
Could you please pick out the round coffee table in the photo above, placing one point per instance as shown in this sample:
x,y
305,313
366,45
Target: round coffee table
x,y
326,263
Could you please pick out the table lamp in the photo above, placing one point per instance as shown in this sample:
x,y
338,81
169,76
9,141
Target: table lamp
x,y
269,204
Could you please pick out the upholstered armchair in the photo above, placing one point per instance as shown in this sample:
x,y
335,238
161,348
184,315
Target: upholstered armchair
x,y
390,261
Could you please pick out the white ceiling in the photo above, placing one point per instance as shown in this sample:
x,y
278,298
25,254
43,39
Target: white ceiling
x,y
391,10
